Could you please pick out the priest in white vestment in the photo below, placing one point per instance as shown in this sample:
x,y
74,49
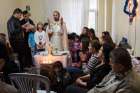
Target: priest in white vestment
x,y
57,29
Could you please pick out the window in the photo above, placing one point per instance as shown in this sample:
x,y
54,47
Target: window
x,y
92,14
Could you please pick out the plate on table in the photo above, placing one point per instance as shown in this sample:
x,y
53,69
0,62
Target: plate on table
x,y
57,53
44,53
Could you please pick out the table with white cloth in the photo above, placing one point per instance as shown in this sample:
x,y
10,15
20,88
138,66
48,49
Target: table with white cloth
x,y
44,63
44,58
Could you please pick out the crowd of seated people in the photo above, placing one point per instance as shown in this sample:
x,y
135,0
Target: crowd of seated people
x,y
122,78
98,64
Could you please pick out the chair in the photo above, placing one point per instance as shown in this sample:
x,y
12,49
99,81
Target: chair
x,y
32,70
28,83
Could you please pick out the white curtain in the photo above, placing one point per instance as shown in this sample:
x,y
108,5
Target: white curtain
x,y
74,12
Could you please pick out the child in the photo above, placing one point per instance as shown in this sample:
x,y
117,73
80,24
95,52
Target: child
x,y
75,51
61,77
40,38
31,42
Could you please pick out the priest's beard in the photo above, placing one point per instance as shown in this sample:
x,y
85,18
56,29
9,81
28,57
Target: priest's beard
x,y
56,19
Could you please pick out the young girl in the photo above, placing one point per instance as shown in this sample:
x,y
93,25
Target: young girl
x,y
40,38
76,50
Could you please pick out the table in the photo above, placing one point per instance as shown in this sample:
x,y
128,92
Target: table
x,y
44,58
44,64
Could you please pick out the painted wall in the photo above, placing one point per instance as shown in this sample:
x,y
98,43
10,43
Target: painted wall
x,y
101,18
108,15
6,9
41,9
118,22
122,28
37,9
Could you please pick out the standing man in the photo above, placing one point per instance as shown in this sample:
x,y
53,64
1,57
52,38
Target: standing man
x,y
27,25
16,35
27,28
57,29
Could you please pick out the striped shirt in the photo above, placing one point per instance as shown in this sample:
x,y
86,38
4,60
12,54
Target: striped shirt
x,y
92,63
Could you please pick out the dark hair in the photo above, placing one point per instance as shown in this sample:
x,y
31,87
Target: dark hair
x,y
45,24
58,64
3,34
77,36
71,36
92,31
107,48
17,11
25,12
86,28
121,56
107,38
96,44
40,23
2,38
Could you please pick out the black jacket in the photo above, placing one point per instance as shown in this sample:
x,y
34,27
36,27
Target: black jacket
x,y
26,34
14,29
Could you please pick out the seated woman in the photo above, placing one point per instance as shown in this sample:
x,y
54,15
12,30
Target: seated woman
x,y
4,62
5,88
75,52
10,66
122,78
92,63
106,39
84,83
92,34
62,77
58,76
85,38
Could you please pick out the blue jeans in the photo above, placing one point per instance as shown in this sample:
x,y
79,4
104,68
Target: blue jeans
x,y
74,70
33,52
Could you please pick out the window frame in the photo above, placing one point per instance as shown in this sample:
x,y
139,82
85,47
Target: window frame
x,y
96,15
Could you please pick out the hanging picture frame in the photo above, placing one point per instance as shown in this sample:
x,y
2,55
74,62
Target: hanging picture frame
x,y
28,8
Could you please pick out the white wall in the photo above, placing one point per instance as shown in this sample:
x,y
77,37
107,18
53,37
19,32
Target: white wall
x,y
37,9
41,9
6,9
104,19
120,24
122,28
108,15
101,18
71,12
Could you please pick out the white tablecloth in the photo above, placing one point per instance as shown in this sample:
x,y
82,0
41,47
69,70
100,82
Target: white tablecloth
x,y
40,91
43,58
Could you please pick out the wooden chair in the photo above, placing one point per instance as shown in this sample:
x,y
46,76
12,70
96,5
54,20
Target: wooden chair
x,y
28,83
